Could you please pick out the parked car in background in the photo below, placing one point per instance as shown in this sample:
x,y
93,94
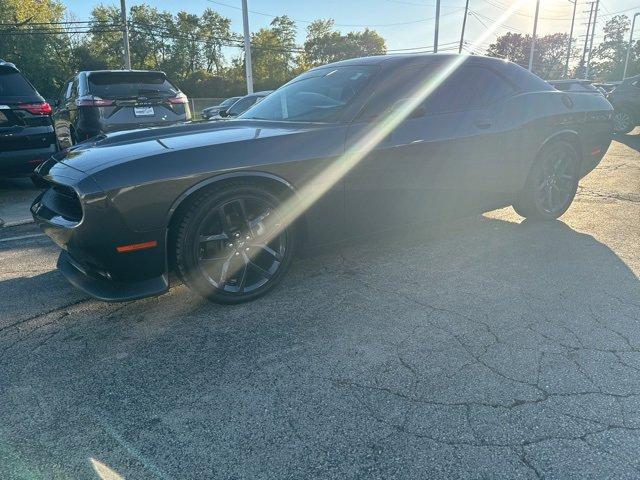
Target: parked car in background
x,y
27,137
211,112
243,104
575,85
346,149
95,102
625,99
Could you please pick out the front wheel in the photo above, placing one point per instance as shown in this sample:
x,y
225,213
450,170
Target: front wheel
x,y
232,245
623,121
551,184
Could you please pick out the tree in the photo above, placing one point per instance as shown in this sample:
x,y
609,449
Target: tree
x,y
273,53
607,59
324,44
215,30
549,57
30,44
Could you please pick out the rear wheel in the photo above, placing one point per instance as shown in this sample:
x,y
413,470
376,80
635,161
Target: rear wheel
x,y
232,244
623,120
552,183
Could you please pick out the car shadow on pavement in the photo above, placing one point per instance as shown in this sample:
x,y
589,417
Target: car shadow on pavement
x,y
437,345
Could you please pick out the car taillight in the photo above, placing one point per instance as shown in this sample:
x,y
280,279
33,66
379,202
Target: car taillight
x,y
181,98
92,101
36,108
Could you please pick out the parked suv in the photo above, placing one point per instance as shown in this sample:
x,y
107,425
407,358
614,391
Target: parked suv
x,y
108,100
26,130
625,99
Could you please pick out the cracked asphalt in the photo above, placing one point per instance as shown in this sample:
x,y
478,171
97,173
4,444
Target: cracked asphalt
x,y
487,348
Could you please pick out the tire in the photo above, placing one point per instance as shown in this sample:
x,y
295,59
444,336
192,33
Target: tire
x,y
551,184
231,244
623,120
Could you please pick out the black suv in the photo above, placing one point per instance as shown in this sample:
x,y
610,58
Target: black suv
x,y
109,100
625,99
26,131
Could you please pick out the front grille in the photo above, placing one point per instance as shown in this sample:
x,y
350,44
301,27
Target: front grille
x,y
63,201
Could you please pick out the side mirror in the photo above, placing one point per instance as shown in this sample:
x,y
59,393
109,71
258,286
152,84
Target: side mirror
x,y
223,113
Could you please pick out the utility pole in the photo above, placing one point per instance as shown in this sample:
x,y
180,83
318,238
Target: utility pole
x,y
464,24
586,41
435,32
533,37
593,34
247,46
573,20
626,60
125,35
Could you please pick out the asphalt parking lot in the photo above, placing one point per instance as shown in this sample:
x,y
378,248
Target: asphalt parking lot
x,y
487,348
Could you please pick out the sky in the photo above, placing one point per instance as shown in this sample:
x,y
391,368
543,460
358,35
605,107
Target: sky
x,y
403,23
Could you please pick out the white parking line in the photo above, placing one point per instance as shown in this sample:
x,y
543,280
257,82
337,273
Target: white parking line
x,y
21,237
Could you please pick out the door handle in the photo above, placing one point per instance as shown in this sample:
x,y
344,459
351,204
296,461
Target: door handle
x,y
483,123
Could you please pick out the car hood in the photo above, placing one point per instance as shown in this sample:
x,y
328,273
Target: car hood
x,y
106,150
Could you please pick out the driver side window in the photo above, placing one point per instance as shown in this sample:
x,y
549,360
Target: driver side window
x,y
469,87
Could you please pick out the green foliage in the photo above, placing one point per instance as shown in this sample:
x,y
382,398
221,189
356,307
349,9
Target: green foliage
x,y
190,48
324,44
607,61
549,57
45,59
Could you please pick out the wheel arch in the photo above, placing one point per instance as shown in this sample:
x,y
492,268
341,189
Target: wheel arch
x,y
570,136
273,183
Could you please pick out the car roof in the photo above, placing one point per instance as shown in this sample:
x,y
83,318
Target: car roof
x,y
263,93
525,80
89,72
570,80
405,58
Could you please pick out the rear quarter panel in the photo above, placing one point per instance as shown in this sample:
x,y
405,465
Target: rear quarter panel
x,y
541,116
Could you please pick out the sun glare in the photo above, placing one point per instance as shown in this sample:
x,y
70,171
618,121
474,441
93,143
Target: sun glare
x,y
309,193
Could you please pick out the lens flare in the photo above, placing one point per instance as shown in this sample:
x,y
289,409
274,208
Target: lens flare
x,y
309,193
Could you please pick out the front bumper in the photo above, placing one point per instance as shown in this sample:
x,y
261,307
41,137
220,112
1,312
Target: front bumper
x,y
101,287
89,232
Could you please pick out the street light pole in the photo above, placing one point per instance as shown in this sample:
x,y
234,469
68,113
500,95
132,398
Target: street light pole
x,y
573,20
247,46
464,24
593,34
626,60
435,31
125,35
533,37
586,42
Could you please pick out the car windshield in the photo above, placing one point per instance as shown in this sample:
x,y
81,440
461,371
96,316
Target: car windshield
x,y
130,84
241,105
228,101
317,96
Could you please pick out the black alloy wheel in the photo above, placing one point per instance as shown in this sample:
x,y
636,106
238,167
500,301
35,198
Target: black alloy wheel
x,y
233,245
623,121
552,183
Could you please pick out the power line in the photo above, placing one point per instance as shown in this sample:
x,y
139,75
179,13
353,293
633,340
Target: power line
x,y
347,25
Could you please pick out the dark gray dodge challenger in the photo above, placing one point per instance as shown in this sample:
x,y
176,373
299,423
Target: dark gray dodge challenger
x,y
340,151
